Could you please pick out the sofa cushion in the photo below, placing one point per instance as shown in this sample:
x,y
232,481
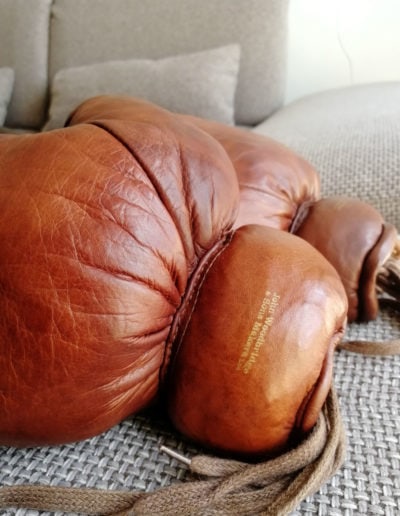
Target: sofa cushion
x,y
24,47
202,84
6,87
352,137
90,31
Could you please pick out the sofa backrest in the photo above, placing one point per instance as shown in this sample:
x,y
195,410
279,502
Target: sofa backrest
x,y
90,31
24,35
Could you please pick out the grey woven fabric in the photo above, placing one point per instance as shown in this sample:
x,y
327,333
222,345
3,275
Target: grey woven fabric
x,y
353,138
128,457
368,388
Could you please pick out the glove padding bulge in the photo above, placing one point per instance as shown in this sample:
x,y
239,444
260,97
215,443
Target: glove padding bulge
x,y
102,225
273,180
280,189
227,292
354,237
115,238
252,363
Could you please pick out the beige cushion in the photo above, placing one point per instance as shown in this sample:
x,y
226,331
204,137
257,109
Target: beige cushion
x,y
201,84
24,47
6,87
91,31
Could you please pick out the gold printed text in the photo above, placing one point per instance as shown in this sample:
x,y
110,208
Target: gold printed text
x,y
257,335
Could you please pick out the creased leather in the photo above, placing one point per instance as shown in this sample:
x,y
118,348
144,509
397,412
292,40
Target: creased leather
x,y
99,236
273,180
280,189
120,252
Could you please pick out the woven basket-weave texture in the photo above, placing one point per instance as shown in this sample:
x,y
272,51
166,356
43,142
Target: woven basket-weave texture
x,y
353,138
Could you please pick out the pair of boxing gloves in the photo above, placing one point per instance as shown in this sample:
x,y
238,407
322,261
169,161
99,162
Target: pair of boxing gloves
x,y
149,255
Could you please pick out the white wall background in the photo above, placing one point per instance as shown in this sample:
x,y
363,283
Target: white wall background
x,y
341,42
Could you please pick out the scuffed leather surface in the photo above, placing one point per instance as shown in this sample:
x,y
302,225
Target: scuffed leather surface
x,y
253,367
102,224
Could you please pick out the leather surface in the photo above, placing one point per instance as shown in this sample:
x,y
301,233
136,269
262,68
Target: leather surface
x,y
119,255
353,236
280,189
253,366
100,230
274,181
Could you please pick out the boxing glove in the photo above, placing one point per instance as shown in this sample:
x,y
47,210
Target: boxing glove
x,y
252,361
120,269
252,409
274,181
364,249
102,226
280,189
248,374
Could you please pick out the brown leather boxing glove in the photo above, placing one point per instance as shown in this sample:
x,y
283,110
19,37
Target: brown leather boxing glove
x,y
118,253
252,363
102,226
280,189
299,391
273,180
364,249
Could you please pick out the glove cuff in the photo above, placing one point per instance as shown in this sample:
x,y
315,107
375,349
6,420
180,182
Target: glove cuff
x,y
355,239
388,279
